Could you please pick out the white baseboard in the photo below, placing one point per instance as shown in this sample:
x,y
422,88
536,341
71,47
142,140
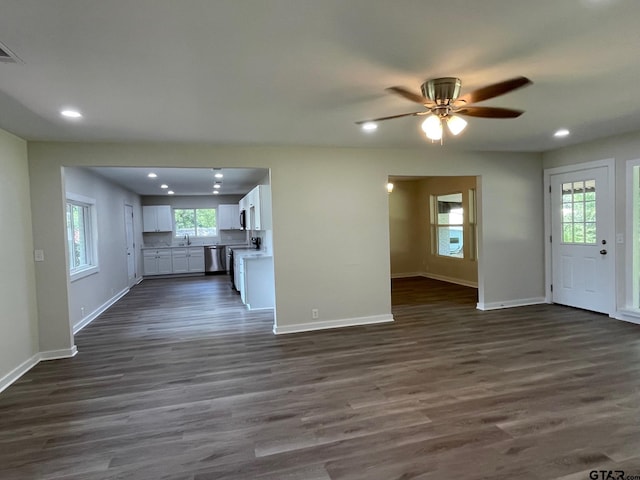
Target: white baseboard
x,y
627,316
28,364
96,313
520,302
344,322
444,278
57,354
19,371
406,275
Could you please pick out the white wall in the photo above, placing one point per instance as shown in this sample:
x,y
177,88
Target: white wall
x,y
18,311
91,294
406,240
330,219
621,148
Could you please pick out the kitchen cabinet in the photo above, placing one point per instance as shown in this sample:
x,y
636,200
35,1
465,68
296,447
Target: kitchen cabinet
x,y
157,261
253,278
259,291
229,217
157,218
188,260
257,204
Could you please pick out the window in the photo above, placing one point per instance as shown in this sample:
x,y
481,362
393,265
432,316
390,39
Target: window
x,y
448,214
195,222
633,235
81,236
579,212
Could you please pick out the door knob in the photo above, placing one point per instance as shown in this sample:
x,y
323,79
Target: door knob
x,y
603,252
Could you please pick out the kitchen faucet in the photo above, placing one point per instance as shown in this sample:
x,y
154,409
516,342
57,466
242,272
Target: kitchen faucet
x,y
186,237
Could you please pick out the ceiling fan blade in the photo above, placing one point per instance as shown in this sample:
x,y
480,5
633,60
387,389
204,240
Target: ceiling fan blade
x,y
488,112
394,116
492,91
414,97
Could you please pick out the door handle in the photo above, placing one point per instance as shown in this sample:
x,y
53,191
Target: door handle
x,y
603,252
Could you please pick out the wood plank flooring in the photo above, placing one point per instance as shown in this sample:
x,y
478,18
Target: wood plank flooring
x,y
179,382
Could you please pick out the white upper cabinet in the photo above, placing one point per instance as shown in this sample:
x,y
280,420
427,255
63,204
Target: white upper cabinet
x,y
257,204
229,217
157,218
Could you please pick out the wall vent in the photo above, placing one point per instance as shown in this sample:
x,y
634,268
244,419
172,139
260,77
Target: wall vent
x,y
7,56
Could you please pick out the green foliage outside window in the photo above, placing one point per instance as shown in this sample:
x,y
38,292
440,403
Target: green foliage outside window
x,y
195,222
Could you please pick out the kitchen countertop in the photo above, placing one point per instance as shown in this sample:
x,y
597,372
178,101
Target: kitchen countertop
x,y
240,245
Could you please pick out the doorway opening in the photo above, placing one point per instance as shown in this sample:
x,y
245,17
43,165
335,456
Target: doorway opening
x,y
433,234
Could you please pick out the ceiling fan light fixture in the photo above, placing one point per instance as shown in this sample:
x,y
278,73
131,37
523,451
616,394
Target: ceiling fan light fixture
x,y
432,126
369,126
456,124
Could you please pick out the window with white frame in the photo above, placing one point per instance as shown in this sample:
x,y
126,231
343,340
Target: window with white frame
x,y
81,236
448,225
195,222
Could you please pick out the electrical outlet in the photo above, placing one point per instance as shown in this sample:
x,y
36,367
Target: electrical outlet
x,y
314,313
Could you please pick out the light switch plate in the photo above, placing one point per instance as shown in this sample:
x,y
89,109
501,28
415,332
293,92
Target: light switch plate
x,y
38,255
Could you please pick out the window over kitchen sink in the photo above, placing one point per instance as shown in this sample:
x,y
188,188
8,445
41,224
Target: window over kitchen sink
x,y
195,222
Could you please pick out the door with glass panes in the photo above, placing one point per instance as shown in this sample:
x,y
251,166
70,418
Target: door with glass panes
x,y
581,247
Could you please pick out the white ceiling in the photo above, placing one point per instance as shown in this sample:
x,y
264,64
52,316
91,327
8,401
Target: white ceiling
x,y
183,181
303,71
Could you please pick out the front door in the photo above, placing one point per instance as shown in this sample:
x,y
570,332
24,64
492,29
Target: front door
x,y
130,247
582,246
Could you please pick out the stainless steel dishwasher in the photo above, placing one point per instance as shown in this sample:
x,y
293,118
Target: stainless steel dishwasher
x,y
215,260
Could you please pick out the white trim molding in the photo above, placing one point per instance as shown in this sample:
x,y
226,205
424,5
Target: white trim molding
x,y
457,281
407,275
15,374
98,311
521,302
632,316
343,322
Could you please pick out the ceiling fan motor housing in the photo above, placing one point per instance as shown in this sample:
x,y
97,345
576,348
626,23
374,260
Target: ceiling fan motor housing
x,y
442,90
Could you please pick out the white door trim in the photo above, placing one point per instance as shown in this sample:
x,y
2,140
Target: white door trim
x,y
548,172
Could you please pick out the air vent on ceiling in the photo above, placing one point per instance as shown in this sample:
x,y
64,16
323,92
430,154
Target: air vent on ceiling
x,y
7,56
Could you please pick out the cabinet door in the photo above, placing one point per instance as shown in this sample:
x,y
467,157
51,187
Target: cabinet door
x,y
165,265
229,217
196,259
150,264
180,260
165,222
149,219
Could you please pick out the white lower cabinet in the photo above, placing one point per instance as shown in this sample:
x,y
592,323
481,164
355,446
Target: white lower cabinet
x,y
254,280
157,261
259,291
166,261
188,260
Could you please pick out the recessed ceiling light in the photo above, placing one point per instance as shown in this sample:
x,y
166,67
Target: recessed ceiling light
x,y
69,113
164,185
152,175
369,126
217,185
170,192
218,175
563,132
215,192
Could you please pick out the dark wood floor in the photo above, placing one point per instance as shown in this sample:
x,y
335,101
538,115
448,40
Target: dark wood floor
x,y
177,381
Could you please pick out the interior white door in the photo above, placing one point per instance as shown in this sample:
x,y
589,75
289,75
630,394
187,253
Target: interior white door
x,y
582,246
130,245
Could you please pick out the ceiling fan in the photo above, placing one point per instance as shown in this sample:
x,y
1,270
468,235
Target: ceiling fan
x,y
441,97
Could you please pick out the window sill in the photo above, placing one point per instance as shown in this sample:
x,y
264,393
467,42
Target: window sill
x,y
85,272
